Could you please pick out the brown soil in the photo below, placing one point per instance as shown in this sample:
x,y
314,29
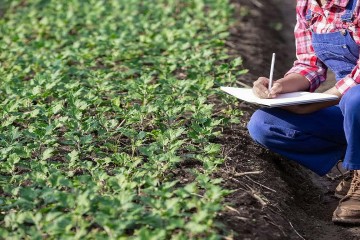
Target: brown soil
x,y
273,198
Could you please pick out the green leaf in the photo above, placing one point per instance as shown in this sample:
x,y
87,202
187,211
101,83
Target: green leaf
x,y
73,156
48,153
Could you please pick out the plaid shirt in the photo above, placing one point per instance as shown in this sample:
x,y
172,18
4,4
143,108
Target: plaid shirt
x,y
325,20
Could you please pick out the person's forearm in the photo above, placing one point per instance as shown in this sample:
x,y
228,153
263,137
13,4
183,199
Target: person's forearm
x,y
334,91
293,82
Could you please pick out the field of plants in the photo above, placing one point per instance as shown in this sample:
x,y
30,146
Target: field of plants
x,y
101,102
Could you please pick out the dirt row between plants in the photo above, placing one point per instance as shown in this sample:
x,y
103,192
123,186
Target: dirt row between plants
x,y
273,198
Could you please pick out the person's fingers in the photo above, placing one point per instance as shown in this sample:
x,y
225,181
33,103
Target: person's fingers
x,y
260,88
275,90
261,91
262,81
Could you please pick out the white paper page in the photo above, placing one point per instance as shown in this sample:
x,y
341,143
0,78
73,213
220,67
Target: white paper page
x,y
285,99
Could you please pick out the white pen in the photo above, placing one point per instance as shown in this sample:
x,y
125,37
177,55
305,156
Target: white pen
x,y
271,71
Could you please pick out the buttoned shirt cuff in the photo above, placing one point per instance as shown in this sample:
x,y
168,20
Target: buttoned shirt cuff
x,y
345,84
310,74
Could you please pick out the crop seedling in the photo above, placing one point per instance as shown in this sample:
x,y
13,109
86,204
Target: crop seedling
x,y
100,103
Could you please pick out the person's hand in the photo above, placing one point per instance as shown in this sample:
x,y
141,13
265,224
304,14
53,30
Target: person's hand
x,y
260,88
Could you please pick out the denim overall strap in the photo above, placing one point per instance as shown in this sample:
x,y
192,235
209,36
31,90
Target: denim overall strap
x,y
308,15
349,12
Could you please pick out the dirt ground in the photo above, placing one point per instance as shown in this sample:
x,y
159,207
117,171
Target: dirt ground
x,y
273,198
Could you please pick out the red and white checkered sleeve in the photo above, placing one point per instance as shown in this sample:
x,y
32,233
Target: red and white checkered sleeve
x,y
307,64
350,80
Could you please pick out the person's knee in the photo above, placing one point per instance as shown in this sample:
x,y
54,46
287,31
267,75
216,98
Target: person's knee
x,y
350,102
257,129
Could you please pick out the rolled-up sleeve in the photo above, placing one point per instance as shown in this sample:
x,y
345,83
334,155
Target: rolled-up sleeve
x,y
307,64
350,80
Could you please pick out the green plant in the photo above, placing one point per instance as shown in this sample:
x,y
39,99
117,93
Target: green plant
x,y
99,102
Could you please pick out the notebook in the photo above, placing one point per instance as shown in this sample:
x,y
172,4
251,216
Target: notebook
x,y
286,99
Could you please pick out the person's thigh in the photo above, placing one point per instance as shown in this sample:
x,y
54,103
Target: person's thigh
x,y
326,124
315,140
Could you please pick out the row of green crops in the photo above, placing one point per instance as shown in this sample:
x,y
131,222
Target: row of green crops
x,y
100,102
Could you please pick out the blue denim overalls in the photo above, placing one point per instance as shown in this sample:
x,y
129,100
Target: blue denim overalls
x,y
318,140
